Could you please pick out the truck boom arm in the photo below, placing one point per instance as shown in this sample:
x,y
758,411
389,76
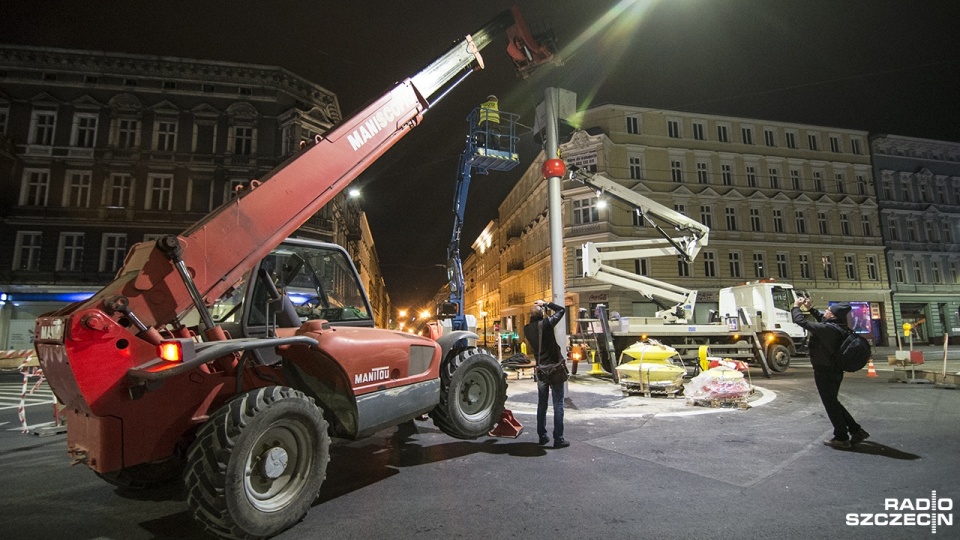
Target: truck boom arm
x,y
220,249
693,235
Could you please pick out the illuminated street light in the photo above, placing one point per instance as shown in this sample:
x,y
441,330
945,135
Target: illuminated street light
x,y
425,314
353,193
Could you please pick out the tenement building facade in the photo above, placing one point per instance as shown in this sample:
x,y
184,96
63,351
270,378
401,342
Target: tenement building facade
x,y
918,192
99,151
790,202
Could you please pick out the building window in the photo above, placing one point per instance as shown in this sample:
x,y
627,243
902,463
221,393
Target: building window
x,y
166,135
893,230
931,232
822,222
70,252
641,267
752,176
783,266
791,138
159,192
774,177
861,184
127,130
947,233
818,181
735,270
845,224
801,222
756,225
840,187
638,220
680,209
709,264
633,125
698,131
731,214
726,173
918,272
578,262
887,190
243,140
867,228
935,270
636,168
703,175
42,125
747,134
778,221
912,231
813,141
683,267
758,270
898,271
673,129
805,266
585,211
706,216
872,268
722,133
849,262
77,193
112,252
827,261
35,187
905,192
795,180
84,133
26,254
121,191
855,146
770,137
676,170
836,145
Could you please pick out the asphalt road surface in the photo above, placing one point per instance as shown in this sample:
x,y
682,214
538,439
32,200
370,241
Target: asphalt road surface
x,y
637,468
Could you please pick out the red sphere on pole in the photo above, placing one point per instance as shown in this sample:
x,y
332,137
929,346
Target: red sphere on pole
x,y
553,168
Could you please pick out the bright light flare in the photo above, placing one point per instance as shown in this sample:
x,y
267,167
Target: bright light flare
x,y
171,351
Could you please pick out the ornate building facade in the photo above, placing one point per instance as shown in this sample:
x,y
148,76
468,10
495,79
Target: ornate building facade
x,y
918,192
99,151
790,202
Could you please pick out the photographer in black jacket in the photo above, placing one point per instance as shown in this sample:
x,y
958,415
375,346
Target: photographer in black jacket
x,y
550,354
826,335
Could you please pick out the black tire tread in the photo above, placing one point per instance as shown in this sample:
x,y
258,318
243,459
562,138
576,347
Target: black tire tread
x,y
441,413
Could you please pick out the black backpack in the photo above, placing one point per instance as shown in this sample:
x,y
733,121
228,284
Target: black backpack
x,y
854,352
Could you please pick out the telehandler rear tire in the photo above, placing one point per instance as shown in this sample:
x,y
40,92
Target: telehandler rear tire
x,y
473,390
257,464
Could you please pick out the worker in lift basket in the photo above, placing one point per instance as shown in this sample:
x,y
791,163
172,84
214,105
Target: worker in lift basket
x,y
489,122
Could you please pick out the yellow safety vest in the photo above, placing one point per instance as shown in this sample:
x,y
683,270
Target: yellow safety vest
x,y
489,112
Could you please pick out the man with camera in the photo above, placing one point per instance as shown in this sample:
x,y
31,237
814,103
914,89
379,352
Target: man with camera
x,y
543,341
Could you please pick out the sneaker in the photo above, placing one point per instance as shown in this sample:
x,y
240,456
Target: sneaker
x,y
544,441
837,443
561,443
858,437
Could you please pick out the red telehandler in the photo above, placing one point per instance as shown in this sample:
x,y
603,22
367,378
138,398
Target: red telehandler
x,y
229,355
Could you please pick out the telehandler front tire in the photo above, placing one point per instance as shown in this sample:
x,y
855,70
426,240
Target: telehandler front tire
x,y
473,390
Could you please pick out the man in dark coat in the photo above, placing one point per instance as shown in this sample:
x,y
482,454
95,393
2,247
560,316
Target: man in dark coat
x,y
546,351
827,332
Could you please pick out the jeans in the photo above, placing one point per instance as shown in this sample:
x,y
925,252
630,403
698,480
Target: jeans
x,y
543,389
828,385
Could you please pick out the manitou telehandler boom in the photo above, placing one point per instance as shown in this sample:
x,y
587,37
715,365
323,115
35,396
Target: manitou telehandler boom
x,y
232,355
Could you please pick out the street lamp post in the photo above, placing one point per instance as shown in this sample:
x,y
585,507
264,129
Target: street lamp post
x,y
484,315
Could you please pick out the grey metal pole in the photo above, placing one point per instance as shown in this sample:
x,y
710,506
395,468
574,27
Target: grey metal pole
x,y
552,104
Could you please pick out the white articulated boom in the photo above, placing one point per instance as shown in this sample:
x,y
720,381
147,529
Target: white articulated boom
x,y
687,240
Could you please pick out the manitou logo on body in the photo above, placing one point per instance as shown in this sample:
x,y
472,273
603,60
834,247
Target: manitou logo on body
x,y
379,120
375,374
933,512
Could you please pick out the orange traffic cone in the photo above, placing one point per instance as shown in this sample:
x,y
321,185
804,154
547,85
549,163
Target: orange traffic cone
x,y
871,371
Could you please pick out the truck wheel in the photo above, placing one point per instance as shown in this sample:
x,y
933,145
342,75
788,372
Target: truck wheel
x,y
473,389
257,464
146,475
778,357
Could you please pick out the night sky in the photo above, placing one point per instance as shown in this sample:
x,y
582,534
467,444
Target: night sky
x,y
886,66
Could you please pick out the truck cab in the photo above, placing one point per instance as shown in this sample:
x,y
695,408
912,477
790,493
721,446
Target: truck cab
x,y
765,305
